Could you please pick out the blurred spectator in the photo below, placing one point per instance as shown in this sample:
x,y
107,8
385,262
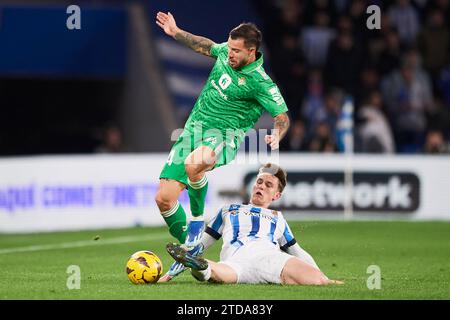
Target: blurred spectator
x,y
442,6
314,6
357,12
343,63
336,50
434,42
345,24
333,103
374,132
313,108
291,79
435,143
391,53
386,24
318,109
111,141
406,20
369,81
284,20
341,5
281,33
322,139
295,139
444,83
316,39
291,15
408,95
358,17
438,118
413,59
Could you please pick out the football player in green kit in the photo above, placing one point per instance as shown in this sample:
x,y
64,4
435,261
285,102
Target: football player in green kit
x,y
237,92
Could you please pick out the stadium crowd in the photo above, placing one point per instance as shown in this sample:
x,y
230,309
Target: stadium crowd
x,y
320,51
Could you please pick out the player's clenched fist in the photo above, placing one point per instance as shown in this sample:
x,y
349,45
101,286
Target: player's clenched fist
x,y
273,140
167,22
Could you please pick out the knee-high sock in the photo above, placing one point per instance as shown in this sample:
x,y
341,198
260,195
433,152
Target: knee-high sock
x,y
202,275
197,195
176,221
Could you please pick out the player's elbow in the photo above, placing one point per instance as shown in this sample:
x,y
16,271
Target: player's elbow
x,y
286,120
282,121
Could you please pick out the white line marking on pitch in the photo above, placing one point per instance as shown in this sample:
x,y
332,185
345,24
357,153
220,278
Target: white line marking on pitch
x,y
85,243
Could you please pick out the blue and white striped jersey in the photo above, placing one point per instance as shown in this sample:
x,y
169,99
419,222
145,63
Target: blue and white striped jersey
x,y
239,224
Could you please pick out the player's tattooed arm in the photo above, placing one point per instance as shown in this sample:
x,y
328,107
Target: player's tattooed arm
x,y
281,126
197,43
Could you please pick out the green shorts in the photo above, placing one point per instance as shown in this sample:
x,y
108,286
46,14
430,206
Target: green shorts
x,y
225,147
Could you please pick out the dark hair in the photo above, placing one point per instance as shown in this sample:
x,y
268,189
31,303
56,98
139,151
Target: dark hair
x,y
249,32
278,172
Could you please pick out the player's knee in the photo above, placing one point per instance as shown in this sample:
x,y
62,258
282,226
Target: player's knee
x,y
164,200
192,169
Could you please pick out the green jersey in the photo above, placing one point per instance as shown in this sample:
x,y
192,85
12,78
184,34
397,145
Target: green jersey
x,y
235,99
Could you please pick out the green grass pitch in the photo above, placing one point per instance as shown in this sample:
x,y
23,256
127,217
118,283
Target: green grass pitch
x,y
413,257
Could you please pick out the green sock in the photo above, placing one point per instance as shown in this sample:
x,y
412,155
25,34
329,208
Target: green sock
x,y
197,195
176,220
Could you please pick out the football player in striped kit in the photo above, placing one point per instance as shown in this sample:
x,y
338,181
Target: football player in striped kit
x,y
258,245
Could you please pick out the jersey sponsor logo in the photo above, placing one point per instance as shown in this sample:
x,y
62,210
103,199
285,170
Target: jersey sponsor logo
x,y
223,95
263,215
276,96
225,81
256,212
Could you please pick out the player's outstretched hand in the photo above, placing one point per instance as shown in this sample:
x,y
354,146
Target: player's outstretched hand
x,y
167,22
273,141
338,282
165,278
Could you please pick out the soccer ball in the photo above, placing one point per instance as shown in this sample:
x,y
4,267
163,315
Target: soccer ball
x,y
144,267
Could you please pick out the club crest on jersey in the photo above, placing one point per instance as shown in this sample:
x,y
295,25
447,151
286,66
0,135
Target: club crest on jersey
x,y
234,209
241,81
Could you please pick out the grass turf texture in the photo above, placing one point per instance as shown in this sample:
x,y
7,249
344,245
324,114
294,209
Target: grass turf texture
x,y
413,258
